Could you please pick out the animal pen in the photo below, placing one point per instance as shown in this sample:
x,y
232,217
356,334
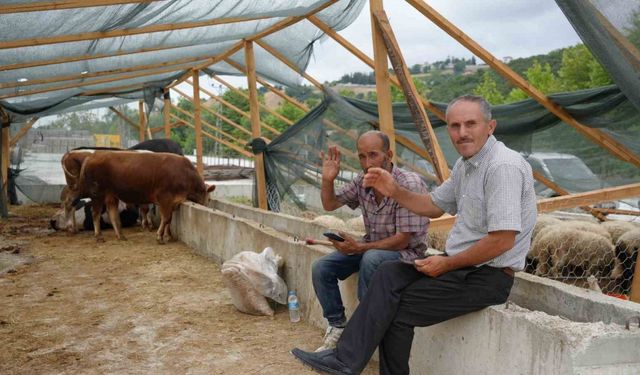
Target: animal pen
x,y
53,61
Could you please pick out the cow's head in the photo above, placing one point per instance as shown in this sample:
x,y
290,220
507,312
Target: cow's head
x,y
208,189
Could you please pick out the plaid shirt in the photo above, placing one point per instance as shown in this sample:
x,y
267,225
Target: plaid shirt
x,y
388,218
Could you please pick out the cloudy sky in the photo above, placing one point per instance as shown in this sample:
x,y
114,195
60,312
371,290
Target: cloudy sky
x,y
516,28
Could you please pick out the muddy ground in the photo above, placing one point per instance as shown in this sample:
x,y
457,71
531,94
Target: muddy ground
x,y
70,305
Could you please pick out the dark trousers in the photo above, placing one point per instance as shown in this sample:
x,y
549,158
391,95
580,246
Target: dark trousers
x,y
401,298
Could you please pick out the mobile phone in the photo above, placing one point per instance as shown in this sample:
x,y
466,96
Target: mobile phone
x,y
333,236
411,261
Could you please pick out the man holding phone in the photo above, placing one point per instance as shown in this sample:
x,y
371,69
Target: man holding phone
x,y
392,231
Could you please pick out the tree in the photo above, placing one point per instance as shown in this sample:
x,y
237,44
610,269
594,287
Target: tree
x,y
580,70
415,69
488,89
539,76
633,31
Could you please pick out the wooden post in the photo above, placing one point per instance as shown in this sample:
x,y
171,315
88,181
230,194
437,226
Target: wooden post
x,y
166,110
22,132
385,112
634,295
261,179
420,118
143,120
197,119
4,148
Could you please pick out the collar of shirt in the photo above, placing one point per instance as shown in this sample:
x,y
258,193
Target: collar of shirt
x,y
478,158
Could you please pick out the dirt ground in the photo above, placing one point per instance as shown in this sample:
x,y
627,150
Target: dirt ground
x,y
70,305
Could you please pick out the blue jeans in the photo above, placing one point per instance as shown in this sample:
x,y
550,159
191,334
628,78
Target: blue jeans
x,y
327,270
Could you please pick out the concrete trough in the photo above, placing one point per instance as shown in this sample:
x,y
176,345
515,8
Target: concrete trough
x,y
546,328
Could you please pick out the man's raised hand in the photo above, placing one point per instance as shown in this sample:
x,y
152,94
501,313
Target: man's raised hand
x,y
330,163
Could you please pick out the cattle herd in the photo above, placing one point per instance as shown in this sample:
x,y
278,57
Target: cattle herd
x,y
151,172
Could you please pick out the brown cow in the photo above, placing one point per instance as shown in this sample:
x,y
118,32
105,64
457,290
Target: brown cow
x,y
140,178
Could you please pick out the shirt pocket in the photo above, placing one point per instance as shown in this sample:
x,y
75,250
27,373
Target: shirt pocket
x,y
474,214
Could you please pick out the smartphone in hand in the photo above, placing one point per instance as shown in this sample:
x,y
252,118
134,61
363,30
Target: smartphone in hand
x,y
411,261
333,236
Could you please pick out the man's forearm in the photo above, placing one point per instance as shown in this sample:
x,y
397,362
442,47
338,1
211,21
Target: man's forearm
x,y
328,196
399,241
417,203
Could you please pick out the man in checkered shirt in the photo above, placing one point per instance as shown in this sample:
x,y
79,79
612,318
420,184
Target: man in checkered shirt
x,y
392,231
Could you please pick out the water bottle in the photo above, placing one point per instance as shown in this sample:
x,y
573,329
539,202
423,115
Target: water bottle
x,y
294,307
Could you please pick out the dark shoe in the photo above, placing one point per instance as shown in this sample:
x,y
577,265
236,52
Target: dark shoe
x,y
324,361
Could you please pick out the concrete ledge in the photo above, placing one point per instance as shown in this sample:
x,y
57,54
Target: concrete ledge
x,y
492,341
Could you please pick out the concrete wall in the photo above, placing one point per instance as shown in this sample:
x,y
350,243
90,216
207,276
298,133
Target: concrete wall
x,y
497,340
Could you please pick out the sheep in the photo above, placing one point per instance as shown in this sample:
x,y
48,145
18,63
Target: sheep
x,y
617,229
544,221
356,224
330,222
437,239
564,246
627,254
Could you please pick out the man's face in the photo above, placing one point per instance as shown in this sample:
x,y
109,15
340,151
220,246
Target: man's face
x,y
371,153
467,128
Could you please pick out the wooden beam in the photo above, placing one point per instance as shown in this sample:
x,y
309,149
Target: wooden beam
x,y
95,35
135,68
4,148
64,4
420,118
634,295
591,197
236,109
213,128
23,130
261,179
598,137
228,144
122,77
240,92
143,120
269,86
615,211
125,118
288,63
540,177
197,120
166,111
222,117
381,70
369,61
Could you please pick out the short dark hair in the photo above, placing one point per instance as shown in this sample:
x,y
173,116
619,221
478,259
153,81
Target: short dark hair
x,y
386,145
485,107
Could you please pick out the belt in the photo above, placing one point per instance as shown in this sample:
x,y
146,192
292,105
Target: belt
x,y
508,271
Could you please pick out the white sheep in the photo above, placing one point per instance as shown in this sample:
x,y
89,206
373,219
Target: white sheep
x,y
617,228
544,221
330,222
627,254
564,246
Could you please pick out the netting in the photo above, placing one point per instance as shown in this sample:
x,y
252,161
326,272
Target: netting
x,y
165,39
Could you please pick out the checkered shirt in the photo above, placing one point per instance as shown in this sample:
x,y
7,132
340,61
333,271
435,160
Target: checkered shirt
x,y
388,218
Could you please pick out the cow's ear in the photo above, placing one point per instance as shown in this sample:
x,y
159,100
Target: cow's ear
x,y
211,188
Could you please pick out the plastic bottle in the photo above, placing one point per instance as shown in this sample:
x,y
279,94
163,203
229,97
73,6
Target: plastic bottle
x,y
294,307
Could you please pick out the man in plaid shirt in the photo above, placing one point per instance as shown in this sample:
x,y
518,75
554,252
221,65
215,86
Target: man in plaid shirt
x,y
392,231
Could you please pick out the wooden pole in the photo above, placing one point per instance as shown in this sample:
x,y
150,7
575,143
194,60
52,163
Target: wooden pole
x,y
634,295
23,130
5,160
198,121
166,110
143,120
383,91
261,180
411,94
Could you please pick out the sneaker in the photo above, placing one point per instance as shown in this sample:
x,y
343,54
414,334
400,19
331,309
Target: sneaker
x,y
330,339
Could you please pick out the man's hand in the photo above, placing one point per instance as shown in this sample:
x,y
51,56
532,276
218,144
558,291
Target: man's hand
x,y
380,180
433,266
347,247
330,164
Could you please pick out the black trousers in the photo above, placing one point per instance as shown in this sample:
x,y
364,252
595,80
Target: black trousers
x,y
400,298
